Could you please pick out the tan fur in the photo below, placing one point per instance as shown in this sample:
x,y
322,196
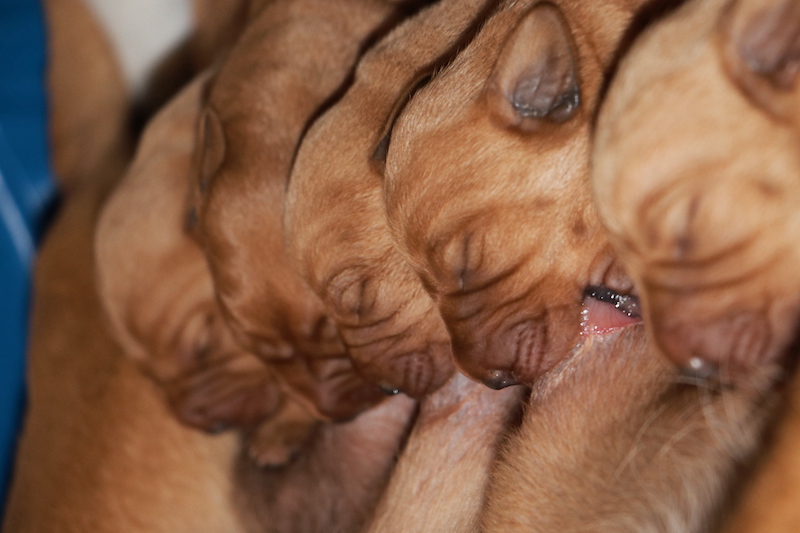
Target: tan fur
x,y
701,200
440,480
490,205
701,207
615,441
335,224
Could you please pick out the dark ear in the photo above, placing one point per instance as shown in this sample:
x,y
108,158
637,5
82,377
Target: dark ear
x,y
535,78
765,36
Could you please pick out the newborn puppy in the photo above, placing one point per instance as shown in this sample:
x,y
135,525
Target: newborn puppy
x,y
99,451
335,223
696,167
157,290
616,439
486,186
291,58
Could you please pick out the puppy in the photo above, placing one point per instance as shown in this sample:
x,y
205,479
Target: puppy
x,y
156,287
696,211
616,439
335,224
98,451
272,84
486,186
703,218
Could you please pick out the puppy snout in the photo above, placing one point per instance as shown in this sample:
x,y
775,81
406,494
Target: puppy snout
x,y
732,344
519,353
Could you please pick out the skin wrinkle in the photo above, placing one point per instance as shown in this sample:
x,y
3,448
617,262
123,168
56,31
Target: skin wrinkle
x,y
415,357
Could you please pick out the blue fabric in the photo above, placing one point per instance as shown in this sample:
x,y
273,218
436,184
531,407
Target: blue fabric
x,y
26,192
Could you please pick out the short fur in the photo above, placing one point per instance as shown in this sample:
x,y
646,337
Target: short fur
x,y
274,81
486,185
335,224
700,199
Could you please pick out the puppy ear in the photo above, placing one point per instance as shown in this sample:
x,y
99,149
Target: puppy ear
x,y
211,147
765,35
535,79
761,52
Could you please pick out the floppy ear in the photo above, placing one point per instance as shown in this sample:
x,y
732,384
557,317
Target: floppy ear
x,y
766,37
535,79
761,46
211,147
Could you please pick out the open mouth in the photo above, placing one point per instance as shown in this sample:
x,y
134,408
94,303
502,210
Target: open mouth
x,y
606,311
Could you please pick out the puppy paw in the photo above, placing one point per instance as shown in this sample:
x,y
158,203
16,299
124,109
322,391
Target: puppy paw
x,y
275,442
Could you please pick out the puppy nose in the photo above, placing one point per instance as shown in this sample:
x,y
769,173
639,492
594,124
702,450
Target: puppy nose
x,y
500,379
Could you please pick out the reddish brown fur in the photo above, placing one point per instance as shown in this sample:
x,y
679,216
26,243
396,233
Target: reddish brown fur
x,y
490,205
335,224
274,81
88,102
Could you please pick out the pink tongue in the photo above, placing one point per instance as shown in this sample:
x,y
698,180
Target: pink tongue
x,y
602,318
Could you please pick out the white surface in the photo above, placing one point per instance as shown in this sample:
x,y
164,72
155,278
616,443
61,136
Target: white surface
x,y
143,32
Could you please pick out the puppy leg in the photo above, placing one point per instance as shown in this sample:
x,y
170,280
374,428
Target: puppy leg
x,y
440,480
334,485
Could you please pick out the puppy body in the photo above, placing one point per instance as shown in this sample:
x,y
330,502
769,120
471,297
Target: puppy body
x,y
339,239
88,107
99,452
613,441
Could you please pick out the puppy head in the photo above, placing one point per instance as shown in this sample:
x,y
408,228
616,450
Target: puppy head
x,y
695,174
245,148
158,293
486,186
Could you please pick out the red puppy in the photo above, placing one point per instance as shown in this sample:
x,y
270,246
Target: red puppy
x,y
289,61
486,186
335,223
701,202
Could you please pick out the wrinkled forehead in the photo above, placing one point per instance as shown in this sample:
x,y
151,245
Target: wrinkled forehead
x,y
673,92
